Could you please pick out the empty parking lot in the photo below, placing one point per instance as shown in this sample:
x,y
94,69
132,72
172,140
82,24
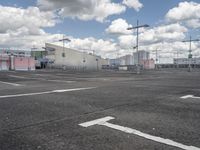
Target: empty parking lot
x,y
47,110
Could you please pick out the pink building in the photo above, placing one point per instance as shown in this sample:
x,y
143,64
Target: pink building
x,y
24,63
148,64
16,63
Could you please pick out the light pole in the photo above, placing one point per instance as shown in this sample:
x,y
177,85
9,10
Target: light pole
x,y
63,53
32,50
156,53
97,60
190,50
137,41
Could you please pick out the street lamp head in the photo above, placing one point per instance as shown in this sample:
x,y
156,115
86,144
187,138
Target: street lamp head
x,y
66,39
146,26
142,26
130,28
134,47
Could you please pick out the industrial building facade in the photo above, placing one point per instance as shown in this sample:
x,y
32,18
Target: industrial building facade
x,y
72,59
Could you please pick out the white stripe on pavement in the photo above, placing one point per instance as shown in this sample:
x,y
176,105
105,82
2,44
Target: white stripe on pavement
x,y
41,79
62,81
103,122
13,84
47,92
19,77
189,96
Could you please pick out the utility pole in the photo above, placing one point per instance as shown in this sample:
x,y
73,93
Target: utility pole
x,y
156,55
190,50
63,53
137,42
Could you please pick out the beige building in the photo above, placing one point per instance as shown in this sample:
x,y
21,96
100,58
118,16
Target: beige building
x,y
73,59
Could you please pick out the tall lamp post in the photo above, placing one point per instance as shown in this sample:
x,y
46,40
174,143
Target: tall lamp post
x,y
156,55
137,41
190,50
63,53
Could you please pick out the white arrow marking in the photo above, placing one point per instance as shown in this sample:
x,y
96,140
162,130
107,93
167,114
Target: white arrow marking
x,y
47,92
189,96
103,122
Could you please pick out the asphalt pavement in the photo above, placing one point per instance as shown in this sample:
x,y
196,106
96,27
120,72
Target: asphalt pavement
x,y
44,110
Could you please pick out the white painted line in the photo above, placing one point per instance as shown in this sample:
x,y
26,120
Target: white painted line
x,y
47,92
62,81
69,90
103,122
19,77
13,84
41,79
96,122
189,96
41,75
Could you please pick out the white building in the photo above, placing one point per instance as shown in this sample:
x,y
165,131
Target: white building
x,y
127,60
73,59
124,60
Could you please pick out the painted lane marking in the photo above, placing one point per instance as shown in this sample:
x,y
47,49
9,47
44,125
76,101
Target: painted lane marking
x,y
61,81
189,96
19,77
13,84
41,75
103,122
47,92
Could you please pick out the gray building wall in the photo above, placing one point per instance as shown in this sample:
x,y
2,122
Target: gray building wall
x,y
74,58
143,55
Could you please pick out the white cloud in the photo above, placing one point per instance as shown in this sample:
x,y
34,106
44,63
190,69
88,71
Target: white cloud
x,y
168,33
127,40
171,32
27,21
135,4
83,10
23,28
193,23
105,48
186,12
7,40
119,27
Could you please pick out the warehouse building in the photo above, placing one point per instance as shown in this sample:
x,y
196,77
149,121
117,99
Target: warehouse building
x,y
67,58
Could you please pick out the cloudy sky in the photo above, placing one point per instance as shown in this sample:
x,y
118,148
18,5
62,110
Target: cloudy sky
x,y
101,25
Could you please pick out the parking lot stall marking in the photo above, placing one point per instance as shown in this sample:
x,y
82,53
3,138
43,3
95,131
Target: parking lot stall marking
x,y
103,122
47,92
13,84
189,96
22,77
62,81
19,77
